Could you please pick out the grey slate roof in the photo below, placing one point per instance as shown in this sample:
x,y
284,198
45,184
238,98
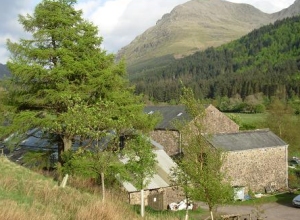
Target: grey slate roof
x,y
245,140
161,178
170,114
36,140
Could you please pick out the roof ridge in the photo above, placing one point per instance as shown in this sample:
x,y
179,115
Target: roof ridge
x,y
243,131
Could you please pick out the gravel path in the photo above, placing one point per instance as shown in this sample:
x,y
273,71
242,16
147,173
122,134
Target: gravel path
x,y
269,211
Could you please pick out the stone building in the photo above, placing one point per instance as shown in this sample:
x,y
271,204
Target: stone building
x,y
256,160
159,192
168,135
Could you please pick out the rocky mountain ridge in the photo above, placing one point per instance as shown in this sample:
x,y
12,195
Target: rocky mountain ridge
x,y
197,25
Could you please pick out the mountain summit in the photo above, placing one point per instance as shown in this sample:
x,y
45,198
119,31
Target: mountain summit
x,y
197,25
293,10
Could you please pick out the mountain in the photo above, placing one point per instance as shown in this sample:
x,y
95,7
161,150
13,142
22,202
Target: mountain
x,y
193,26
293,10
267,61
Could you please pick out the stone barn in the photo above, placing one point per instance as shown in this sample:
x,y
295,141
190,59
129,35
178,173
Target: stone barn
x,y
256,160
159,192
169,137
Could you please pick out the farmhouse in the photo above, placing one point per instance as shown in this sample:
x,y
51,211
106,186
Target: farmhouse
x,y
256,159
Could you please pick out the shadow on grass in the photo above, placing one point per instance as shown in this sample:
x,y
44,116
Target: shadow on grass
x,y
168,214
286,198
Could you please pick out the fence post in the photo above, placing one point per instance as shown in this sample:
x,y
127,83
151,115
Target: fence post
x,y
64,182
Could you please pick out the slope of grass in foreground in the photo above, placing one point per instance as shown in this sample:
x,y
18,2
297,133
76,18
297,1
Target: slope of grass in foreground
x,y
28,195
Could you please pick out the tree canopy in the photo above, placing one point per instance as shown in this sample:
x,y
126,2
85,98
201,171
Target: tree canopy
x,y
141,164
64,83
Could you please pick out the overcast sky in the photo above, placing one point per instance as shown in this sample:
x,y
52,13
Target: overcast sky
x,y
118,21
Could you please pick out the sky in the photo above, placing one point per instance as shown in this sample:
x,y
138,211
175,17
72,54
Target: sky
x,y
118,21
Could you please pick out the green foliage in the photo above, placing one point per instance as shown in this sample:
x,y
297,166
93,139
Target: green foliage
x,y
283,121
248,121
180,179
64,83
294,178
236,118
259,108
38,159
88,164
279,118
201,163
264,61
141,161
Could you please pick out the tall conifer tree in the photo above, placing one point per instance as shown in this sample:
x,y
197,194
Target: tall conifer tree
x,y
64,83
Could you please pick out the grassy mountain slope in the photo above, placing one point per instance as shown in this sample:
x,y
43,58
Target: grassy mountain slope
x,y
266,60
191,27
25,194
28,195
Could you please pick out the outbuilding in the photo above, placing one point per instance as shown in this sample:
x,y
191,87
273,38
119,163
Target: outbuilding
x,y
256,159
159,192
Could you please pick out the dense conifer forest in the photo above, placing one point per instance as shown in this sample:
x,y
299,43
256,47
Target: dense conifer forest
x,y
267,61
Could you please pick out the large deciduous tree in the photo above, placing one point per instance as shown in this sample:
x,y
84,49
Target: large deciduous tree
x,y
64,83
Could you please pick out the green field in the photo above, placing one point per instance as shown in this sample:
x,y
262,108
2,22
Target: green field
x,y
249,121
287,125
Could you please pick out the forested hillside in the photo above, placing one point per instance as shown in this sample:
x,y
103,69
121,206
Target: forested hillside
x,y
266,60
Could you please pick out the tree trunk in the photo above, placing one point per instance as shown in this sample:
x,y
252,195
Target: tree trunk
x,y
103,186
60,150
64,144
187,213
142,203
187,208
67,143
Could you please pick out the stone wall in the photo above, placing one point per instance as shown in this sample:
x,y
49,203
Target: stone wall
x,y
254,169
217,122
257,169
168,139
134,197
169,194
213,122
173,195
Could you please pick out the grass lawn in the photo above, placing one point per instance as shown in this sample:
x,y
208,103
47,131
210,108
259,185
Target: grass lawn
x,y
193,214
281,198
249,121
